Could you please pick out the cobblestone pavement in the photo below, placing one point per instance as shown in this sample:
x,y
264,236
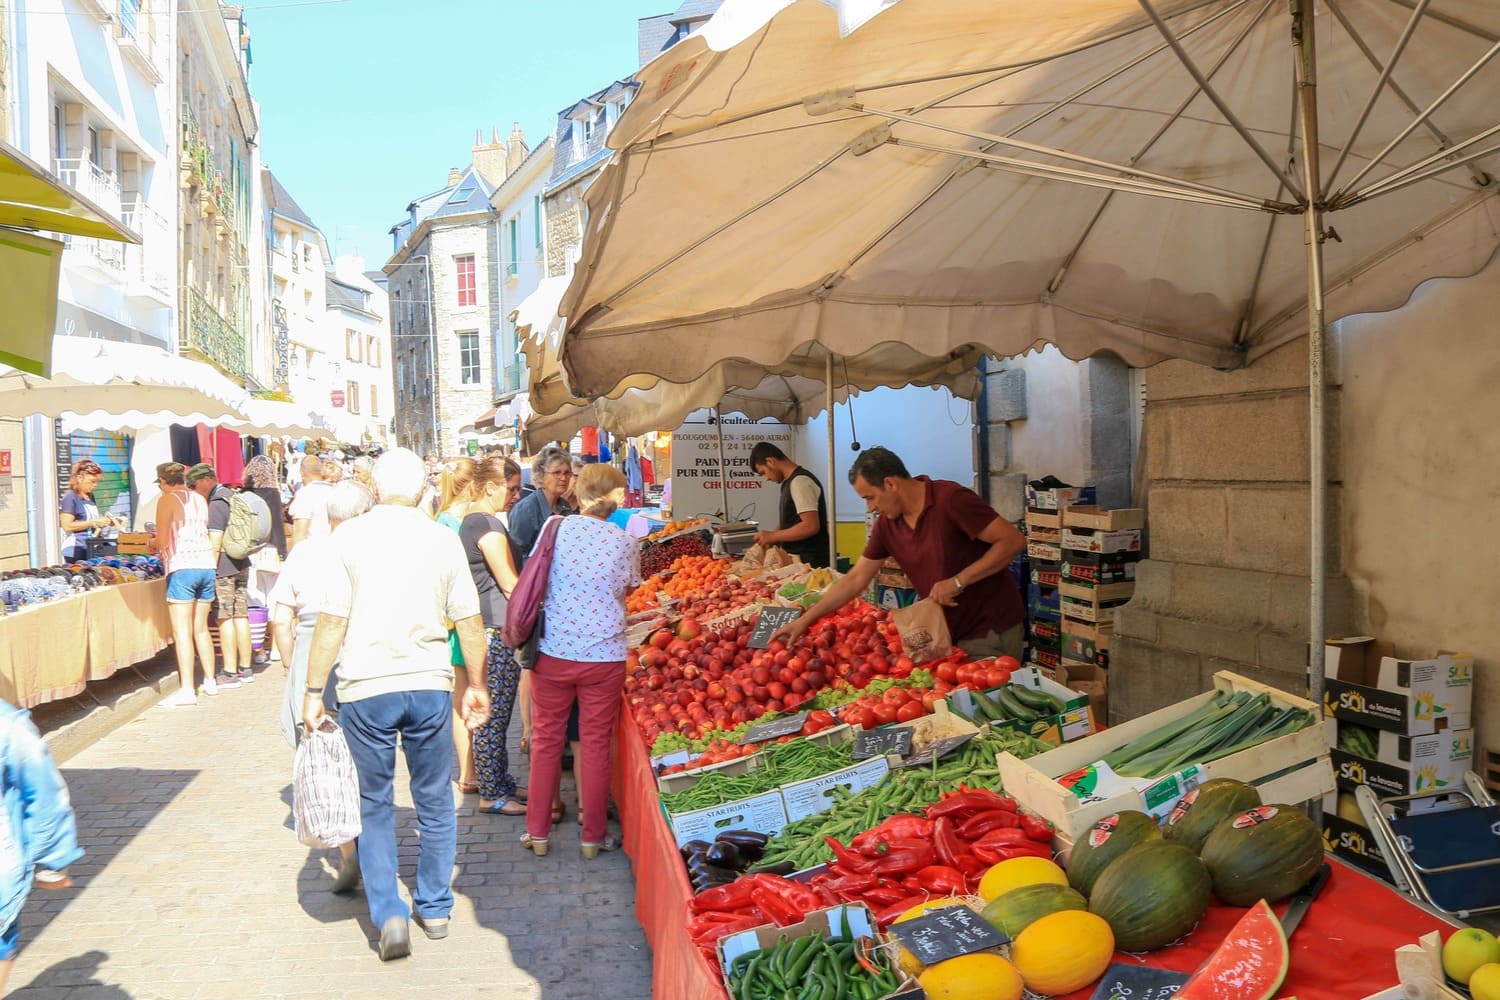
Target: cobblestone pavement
x,y
195,886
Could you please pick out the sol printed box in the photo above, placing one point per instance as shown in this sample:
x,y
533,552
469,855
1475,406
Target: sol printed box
x,y
1368,684
1344,838
1404,764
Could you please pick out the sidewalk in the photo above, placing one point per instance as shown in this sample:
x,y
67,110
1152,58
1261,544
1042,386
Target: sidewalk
x,y
195,886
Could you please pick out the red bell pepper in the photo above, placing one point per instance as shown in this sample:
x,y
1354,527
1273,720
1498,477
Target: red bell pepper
x,y
707,921
995,855
968,802
854,884
714,933
946,843
1004,837
731,897
885,895
942,880
888,915
780,910
971,865
848,860
1037,828
901,826
981,823
901,861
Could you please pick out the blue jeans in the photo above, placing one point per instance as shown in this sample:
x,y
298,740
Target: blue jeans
x,y
424,721
10,940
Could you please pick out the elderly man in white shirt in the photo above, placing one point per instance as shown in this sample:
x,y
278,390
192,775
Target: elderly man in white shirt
x,y
386,624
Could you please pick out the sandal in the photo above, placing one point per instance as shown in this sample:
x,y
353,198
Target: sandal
x,y
468,788
503,807
536,845
557,814
591,851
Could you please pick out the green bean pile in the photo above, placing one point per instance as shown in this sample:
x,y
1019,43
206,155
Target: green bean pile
x,y
908,790
781,764
810,968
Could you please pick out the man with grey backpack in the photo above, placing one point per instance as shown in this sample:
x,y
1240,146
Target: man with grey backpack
x,y
239,524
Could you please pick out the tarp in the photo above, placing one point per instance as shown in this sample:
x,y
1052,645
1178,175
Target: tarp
x,y
959,172
30,198
105,385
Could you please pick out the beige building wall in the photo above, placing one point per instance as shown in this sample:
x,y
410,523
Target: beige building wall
x,y
15,551
460,403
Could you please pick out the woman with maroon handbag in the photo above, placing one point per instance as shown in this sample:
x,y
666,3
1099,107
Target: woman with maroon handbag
x,y
581,652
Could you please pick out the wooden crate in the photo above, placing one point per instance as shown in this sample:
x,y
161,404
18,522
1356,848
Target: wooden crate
x,y
134,543
1290,769
1104,520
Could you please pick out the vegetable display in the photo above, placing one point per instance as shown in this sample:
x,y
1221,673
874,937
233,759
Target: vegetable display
x,y
1268,852
812,966
1013,703
781,763
1228,724
724,860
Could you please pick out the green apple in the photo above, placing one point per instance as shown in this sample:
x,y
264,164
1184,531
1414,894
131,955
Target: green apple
x,y
1467,950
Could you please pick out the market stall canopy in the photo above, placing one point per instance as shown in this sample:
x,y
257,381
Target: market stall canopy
x,y
106,385
280,418
1105,175
792,390
502,415
30,198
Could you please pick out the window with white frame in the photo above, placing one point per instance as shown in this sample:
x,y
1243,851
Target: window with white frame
x,y
513,229
372,352
353,345
351,396
467,281
468,357
536,215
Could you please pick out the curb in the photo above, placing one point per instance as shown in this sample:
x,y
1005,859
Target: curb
x,y
72,725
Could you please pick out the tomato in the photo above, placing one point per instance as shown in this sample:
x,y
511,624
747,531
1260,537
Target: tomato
x,y
1007,663
884,713
964,674
994,678
946,672
910,712
929,698
896,696
861,717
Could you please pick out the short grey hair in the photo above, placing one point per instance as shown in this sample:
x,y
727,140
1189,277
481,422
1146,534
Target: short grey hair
x,y
398,477
545,460
348,500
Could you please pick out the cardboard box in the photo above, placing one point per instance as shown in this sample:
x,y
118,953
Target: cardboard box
x,y
1057,499
1098,593
1351,841
1046,574
816,795
1045,659
1047,536
1094,572
847,920
1103,542
1082,605
1090,679
1104,520
1368,684
1404,764
1084,640
683,780
1074,722
1292,768
1047,632
1044,551
133,543
764,813
939,724
1044,599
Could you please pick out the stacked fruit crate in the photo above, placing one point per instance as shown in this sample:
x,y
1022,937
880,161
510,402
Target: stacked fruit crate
x,y
1100,550
1045,507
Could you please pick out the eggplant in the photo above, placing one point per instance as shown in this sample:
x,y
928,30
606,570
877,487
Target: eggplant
x,y
694,847
750,845
778,868
724,854
700,866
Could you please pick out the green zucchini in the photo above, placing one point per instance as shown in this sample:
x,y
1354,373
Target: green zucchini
x,y
992,710
1015,707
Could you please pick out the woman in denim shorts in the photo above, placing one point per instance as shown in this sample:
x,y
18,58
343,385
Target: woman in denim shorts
x,y
188,555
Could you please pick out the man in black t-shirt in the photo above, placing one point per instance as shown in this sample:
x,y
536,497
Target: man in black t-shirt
x,y
803,518
231,586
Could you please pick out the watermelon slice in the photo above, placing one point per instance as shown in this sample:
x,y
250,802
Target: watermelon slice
x,y
1250,965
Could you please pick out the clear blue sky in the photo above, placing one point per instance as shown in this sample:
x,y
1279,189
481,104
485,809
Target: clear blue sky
x,y
365,104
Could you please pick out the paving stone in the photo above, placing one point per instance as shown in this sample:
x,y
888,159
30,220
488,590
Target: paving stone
x,y
194,885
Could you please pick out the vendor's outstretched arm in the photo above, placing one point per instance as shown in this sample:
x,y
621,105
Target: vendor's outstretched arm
x,y
1005,544
854,583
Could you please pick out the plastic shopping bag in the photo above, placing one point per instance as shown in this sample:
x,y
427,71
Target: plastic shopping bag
x,y
325,789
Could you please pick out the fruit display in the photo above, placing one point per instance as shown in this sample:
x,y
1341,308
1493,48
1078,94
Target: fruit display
x,y
977,674
1268,852
1227,724
1063,951
659,556
1151,895
1471,954
1014,911
1105,841
1250,964
675,527
980,976
1196,814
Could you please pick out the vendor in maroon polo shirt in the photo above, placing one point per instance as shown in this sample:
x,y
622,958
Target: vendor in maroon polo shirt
x,y
952,545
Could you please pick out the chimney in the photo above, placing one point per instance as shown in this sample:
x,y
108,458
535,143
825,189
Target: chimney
x,y
454,176
515,148
489,158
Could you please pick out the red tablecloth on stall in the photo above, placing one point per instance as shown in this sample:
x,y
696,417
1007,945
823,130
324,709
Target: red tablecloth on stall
x,y
1343,950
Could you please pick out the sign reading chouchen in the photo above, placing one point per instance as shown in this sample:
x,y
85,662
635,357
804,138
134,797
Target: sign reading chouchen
x,y
697,487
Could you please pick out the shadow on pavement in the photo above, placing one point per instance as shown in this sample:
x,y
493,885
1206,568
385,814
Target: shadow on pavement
x,y
73,974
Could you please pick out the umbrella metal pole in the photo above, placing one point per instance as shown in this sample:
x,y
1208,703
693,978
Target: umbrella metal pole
x,y
833,482
1307,81
723,471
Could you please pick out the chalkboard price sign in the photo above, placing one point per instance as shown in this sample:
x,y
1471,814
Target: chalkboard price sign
x,y
947,933
937,750
877,742
1138,982
771,619
775,729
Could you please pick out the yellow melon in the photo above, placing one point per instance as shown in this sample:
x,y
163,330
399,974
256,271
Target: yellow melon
x,y
980,976
1063,951
908,962
1017,872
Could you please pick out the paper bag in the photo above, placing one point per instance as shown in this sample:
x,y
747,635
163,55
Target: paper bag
x,y
923,630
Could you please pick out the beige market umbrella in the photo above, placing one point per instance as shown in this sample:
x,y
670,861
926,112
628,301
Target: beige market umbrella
x,y
1199,179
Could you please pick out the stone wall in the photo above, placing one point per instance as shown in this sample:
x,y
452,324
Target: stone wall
x,y
459,404
1227,584
564,213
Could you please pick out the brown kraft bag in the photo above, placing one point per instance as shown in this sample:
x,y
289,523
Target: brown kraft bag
x,y
923,630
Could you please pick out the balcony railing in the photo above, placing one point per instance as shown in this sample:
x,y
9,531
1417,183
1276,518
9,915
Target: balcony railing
x,y
90,180
130,14
106,255
211,336
137,33
149,264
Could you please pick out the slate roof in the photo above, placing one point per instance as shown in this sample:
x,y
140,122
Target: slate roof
x,y
285,206
573,154
471,194
342,295
656,34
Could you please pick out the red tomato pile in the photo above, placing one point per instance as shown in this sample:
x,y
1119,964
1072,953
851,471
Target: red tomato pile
x,y
694,682
896,705
981,675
